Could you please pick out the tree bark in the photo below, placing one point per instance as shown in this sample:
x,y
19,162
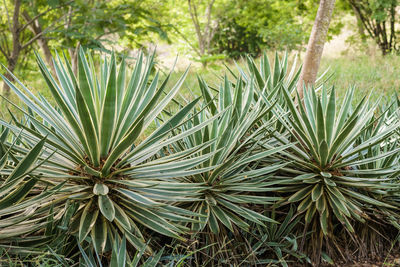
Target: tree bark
x,y
392,25
73,53
13,52
36,29
204,36
196,23
315,45
381,30
360,26
16,50
11,67
208,32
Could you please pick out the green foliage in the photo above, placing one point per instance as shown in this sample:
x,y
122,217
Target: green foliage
x,y
119,257
338,170
248,27
92,133
92,23
234,40
377,19
45,25
229,186
240,175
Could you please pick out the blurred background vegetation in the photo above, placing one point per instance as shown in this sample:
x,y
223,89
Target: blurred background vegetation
x,y
207,34
212,37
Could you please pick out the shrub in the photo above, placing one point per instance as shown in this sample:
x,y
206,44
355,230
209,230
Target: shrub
x,y
345,161
240,175
112,183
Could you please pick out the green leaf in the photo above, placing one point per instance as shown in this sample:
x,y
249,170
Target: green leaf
x,y
321,204
305,204
18,194
124,144
330,116
99,234
326,174
27,162
324,221
213,223
326,258
88,219
89,131
207,95
106,207
317,191
100,189
299,195
108,110
121,217
221,216
366,198
341,205
60,99
320,123
310,214
323,151
154,222
138,198
86,86
154,260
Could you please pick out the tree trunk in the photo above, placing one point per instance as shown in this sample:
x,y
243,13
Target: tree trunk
x,y
360,25
73,53
392,25
315,45
13,59
204,36
11,67
47,54
36,29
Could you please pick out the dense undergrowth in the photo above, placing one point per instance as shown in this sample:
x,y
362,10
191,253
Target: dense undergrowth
x,y
121,171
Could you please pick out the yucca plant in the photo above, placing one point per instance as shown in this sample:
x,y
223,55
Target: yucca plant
x,y
276,243
119,257
389,115
21,211
116,181
229,191
270,75
270,78
336,171
17,179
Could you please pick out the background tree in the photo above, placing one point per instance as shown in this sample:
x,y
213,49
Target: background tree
x,y
238,26
20,31
204,25
250,26
67,24
315,45
107,24
378,19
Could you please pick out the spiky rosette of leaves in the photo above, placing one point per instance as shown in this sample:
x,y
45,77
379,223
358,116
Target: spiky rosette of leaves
x,y
389,114
231,189
17,178
337,169
270,76
116,181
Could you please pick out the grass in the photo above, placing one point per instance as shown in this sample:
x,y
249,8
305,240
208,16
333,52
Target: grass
x,y
376,74
369,73
373,74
